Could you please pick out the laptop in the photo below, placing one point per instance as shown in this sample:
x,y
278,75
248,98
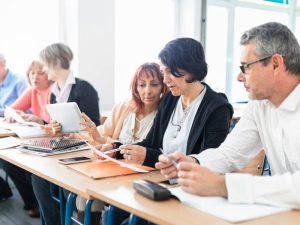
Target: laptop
x,y
52,146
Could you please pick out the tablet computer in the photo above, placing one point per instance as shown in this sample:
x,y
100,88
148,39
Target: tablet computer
x,y
67,114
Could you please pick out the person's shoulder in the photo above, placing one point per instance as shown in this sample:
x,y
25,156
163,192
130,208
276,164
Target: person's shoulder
x,y
169,98
83,84
214,96
17,78
122,105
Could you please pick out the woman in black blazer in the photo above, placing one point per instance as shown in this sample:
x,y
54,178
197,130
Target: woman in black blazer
x,y
190,119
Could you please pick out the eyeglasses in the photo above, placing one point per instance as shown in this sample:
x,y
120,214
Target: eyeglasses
x,y
243,67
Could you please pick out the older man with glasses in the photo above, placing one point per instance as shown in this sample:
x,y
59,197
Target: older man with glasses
x,y
11,86
270,72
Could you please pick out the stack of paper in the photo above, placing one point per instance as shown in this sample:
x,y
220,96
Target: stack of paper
x,y
22,128
9,142
12,113
220,207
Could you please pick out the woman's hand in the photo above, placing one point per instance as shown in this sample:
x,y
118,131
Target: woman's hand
x,y
103,148
53,129
91,128
9,118
134,153
32,118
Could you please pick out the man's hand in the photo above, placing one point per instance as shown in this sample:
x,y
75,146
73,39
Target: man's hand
x,y
199,180
167,168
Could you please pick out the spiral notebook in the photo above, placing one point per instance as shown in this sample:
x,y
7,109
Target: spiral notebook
x,y
52,146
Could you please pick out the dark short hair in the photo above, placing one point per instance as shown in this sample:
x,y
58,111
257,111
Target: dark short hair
x,y
186,54
148,69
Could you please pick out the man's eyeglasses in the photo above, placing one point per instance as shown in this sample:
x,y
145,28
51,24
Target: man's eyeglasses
x,y
243,67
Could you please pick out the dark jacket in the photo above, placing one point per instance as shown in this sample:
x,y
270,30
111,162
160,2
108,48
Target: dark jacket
x,y
209,129
86,97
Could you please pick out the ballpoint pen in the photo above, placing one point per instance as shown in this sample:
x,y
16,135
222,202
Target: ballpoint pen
x,y
172,160
174,163
112,151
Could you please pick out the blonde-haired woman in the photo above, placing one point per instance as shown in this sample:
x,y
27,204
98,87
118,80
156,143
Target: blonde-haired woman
x,y
56,59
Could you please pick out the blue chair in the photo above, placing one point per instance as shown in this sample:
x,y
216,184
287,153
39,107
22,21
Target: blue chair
x,y
266,171
57,195
70,208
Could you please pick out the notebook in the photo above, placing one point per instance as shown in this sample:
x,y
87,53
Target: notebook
x,y
103,169
52,146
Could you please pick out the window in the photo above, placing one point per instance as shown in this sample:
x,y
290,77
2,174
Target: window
x,y
226,21
248,18
216,47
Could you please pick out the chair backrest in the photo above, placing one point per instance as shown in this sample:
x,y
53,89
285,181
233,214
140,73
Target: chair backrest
x,y
266,170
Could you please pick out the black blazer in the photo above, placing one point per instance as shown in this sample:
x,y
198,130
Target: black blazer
x,y
86,97
209,129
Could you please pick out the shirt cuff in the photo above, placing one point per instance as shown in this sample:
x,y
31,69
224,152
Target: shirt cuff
x,y
239,188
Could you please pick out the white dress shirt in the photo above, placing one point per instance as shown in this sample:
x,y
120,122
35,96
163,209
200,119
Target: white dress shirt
x,y
277,130
127,134
62,95
176,139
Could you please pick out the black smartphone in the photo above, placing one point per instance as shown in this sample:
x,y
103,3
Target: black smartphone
x,y
75,160
169,182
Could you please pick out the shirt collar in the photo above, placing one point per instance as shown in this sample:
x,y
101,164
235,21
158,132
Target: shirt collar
x,y
292,101
70,81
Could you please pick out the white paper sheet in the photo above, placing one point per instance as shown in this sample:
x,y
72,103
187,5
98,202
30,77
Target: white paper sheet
x,y
221,208
19,119
9,142
127,165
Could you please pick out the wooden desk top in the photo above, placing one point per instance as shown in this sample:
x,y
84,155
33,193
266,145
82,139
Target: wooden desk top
x,y
50,169
118,191
121,194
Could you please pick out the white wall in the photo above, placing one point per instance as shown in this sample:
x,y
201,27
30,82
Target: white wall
x,y
88,27
96,47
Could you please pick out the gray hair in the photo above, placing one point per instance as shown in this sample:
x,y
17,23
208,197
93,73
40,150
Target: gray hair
x,y
271,38
2,58
57,55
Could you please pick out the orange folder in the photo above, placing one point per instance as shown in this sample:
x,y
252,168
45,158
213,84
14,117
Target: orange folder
x,y
97,170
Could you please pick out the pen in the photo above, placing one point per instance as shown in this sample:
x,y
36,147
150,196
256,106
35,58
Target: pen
x,y
112,151
172,160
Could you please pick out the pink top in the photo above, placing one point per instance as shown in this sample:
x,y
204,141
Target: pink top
x,y
36,101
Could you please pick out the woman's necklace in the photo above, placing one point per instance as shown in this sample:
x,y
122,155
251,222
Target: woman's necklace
x,y
185,113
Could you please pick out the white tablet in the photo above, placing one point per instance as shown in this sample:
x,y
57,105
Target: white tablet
x,y
67,114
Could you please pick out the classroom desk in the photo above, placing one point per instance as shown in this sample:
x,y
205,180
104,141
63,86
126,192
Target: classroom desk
x,y
49,169
118,191
122,195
